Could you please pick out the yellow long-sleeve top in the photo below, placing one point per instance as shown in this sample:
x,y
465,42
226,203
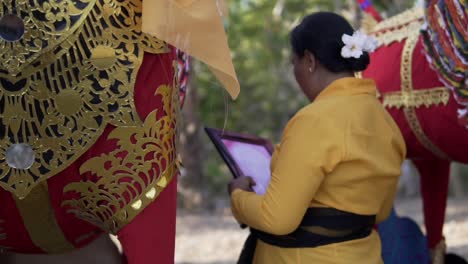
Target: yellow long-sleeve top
x,y
342,151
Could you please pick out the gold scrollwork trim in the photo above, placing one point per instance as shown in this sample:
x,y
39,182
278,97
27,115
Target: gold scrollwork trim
x,y
131,210
417,98
133,175
60,103
401,19
399,27
46,25
407,87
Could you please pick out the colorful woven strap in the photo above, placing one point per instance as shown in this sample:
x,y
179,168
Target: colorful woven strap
x,y
366,6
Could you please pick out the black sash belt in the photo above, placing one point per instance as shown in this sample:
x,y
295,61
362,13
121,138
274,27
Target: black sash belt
x,y
322,226
319,227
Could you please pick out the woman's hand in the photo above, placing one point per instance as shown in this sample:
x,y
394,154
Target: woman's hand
x,y
244,183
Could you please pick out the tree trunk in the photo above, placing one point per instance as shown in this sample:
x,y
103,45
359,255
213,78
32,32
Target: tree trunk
x,y
191,179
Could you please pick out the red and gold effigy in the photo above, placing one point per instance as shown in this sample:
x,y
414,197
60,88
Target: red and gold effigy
x,y
427,111
88,120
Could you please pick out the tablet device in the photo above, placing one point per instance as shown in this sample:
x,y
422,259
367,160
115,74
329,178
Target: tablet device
x,y
245,155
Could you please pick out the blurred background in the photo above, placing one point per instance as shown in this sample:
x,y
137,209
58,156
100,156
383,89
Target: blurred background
x,y
258,33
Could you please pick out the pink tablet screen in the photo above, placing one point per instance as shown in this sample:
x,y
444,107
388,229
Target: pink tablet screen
x,y
253,160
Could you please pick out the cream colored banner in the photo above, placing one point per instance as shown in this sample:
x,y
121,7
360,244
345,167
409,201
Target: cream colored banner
x,y
196,27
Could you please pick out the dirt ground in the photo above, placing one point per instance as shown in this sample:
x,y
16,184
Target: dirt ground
x,y
217,238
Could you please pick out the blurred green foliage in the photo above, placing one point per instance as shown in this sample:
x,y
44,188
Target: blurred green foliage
x,y
258,32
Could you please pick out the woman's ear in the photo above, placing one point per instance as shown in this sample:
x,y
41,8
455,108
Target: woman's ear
x,y
310,61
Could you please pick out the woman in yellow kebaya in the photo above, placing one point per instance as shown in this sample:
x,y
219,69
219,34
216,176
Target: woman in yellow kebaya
x,y
334,173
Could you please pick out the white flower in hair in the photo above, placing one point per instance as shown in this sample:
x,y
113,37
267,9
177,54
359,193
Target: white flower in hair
x,y
356,44
353,45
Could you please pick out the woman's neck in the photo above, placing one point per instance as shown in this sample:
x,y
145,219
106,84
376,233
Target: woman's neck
x,y
325,79
330,77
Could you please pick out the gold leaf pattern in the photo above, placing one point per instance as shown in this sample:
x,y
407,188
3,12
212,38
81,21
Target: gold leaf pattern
x,y
47,24
399,27
417,98
69,85
133,175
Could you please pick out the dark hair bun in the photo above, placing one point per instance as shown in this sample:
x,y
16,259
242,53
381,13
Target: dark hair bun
x,y
320,34
359,64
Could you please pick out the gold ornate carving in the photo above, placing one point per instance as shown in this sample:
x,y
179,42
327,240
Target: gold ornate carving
x,y
70,84
417,98
407,87
399,27
47,24
133,175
